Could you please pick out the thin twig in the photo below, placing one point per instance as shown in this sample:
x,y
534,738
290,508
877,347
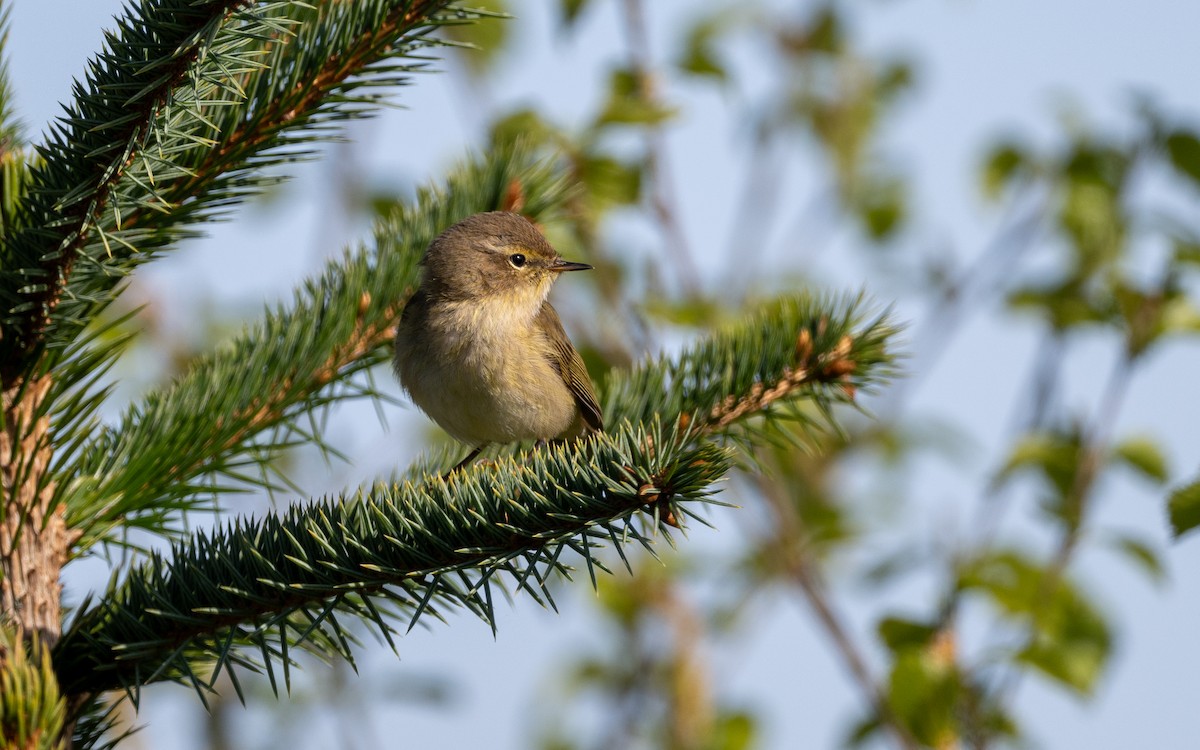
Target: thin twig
x,y
960,296
1043,387
1094,442
755,212
800,570
662,198
1093,446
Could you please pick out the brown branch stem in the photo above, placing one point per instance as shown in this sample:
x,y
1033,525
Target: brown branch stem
x,y
1093,445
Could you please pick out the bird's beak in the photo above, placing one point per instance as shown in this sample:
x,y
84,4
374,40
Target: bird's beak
x,y
560,265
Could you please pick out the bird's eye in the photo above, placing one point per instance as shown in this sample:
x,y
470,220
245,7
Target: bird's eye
x,y
517,260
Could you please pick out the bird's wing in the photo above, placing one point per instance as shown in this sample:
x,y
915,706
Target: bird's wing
x,y
570,365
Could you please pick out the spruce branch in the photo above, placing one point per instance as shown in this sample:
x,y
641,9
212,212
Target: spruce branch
x,y
99,723
88,151
251,590
255,88
328,64
825,349
248,592
240,406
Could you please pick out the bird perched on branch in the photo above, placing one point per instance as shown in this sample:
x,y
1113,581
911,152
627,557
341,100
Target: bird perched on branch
x,y
481,350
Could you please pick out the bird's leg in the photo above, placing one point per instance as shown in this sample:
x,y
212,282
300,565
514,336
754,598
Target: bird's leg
x,y
470,457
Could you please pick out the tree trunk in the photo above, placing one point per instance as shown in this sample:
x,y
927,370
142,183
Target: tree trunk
x,y
33,538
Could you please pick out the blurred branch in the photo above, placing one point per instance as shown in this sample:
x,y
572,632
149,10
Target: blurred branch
x,y
1092,459
800,569
967,292
1043,388
756,208
662,198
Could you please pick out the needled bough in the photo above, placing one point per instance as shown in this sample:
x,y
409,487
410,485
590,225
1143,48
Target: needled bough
x,y
387,554
193,107
251,591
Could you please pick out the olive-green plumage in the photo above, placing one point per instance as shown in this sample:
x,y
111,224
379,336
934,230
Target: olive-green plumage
x,y
480,349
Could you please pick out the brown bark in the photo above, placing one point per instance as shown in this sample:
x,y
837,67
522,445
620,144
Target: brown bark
x,y
33,538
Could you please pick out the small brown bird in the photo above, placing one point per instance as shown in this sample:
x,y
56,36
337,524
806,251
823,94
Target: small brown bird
x,y
481,350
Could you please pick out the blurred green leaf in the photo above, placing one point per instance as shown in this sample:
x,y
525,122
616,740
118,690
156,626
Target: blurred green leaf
x,y
486,37
1065,305
1143,455
894,79
882,208
609,182
619,598
1052,455
1091,211
571,9
899,633
523,126
924,693
1003,165
699,57
628,104
862,731
1070,640
1099,163
1184,508
734,730
1141,553
692,312
1144,314
1180,316
822,34
1183,147
1091,215
1186,251
1075,660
